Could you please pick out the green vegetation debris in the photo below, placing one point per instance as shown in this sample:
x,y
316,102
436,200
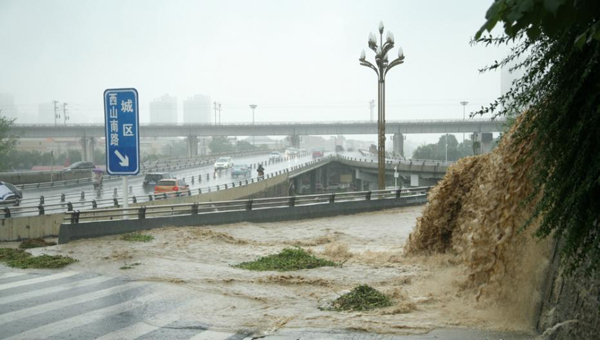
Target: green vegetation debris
x,y
18,258
131,266
137,237
35,243
361,298
287,259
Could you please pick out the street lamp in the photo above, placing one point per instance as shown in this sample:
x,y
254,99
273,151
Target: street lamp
x,y
253,106
382,68
464,104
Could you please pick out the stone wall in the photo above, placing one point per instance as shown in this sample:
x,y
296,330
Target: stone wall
x,y
570,306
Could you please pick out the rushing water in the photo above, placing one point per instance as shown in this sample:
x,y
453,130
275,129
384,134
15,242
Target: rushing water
x,y
428,290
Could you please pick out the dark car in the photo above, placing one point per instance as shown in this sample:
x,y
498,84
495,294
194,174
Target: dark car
x,y
241,170
9,193
81,165
152,179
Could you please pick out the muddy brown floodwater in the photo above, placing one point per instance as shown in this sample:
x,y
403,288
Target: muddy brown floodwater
x,y
428,291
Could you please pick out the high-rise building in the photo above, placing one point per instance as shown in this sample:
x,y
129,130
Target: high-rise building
x,y
197,109
8,108
163,110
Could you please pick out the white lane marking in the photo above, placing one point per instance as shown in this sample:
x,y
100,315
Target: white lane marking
x,y
37,280
212,335
58,327
55,289
50,306
141,328
7,275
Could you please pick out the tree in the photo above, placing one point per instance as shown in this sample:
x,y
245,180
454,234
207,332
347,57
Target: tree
x,y
7,140
220,144
438,151
557,44
243,145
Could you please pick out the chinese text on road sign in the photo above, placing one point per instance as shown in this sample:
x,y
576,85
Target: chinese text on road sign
x,y
122,131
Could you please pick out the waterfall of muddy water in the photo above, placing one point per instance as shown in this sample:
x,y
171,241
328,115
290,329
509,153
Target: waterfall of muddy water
x,y
477,213
427,290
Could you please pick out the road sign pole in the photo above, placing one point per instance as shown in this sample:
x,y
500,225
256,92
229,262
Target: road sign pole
x,y
125,198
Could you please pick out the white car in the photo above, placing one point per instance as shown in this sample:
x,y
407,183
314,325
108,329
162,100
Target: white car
x,y
275,155
223,163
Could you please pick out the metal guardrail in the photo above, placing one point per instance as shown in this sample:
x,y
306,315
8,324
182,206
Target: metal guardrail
x,y
143,212
161,165
66,205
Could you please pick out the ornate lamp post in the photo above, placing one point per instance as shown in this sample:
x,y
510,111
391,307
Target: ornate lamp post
x,y
381,68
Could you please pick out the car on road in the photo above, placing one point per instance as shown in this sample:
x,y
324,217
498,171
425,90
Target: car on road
x,y
317,153
151,179
171,185
290,152
241,170
81,165
223,163
275,156
9,193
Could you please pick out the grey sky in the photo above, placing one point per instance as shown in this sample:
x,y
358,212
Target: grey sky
x,y
298,60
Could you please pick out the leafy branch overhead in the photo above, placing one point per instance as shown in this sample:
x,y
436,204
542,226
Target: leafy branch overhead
x,y
544,17
556,43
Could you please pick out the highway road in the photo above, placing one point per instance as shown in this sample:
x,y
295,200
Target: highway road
x,y
105,197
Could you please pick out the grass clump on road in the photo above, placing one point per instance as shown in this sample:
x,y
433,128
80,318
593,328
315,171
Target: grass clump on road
x,y
361,298
288,259
35,243
18,258
131,266
137,237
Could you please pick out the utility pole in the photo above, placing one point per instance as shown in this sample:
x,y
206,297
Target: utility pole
x,y
56,114
464,105
219,113
253,106
372,107
215,107
65,116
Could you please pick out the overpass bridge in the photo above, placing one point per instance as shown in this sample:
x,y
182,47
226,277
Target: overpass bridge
x,y
89,133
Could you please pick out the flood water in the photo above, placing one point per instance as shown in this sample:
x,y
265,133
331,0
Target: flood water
x,y
428,291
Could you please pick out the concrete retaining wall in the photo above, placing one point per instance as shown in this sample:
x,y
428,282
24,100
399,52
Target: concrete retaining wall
x,y
18,228
17,178
69,232
570,307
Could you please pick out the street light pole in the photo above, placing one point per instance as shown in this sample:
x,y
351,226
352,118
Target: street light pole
x,y
253,106
382,68
464,105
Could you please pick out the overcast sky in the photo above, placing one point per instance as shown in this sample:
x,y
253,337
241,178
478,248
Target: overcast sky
x,y
298,60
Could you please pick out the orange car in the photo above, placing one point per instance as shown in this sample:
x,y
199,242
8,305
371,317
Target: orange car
x,y
171,185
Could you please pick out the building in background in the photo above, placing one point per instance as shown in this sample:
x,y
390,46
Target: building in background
x,y
163,110
197,110
8,108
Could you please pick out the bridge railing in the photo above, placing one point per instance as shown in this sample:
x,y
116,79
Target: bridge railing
x,y
143,212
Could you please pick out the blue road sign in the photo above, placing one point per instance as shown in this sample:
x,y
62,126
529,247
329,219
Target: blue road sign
x,y
122,131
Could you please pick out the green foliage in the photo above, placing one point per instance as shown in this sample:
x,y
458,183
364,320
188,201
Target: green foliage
x,y
131,266
7,141
561,90
242,145
287,259
35,243
220,144
361,298
438,151
137,237
19,258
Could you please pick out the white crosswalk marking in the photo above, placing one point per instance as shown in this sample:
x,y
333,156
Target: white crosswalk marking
x,y
7,275
36,280
83,319
53,290
212,335
136,330
40,309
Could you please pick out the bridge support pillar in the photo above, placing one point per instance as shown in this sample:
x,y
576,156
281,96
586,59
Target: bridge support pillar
x,y
192,146
399,145
295,141
87,148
